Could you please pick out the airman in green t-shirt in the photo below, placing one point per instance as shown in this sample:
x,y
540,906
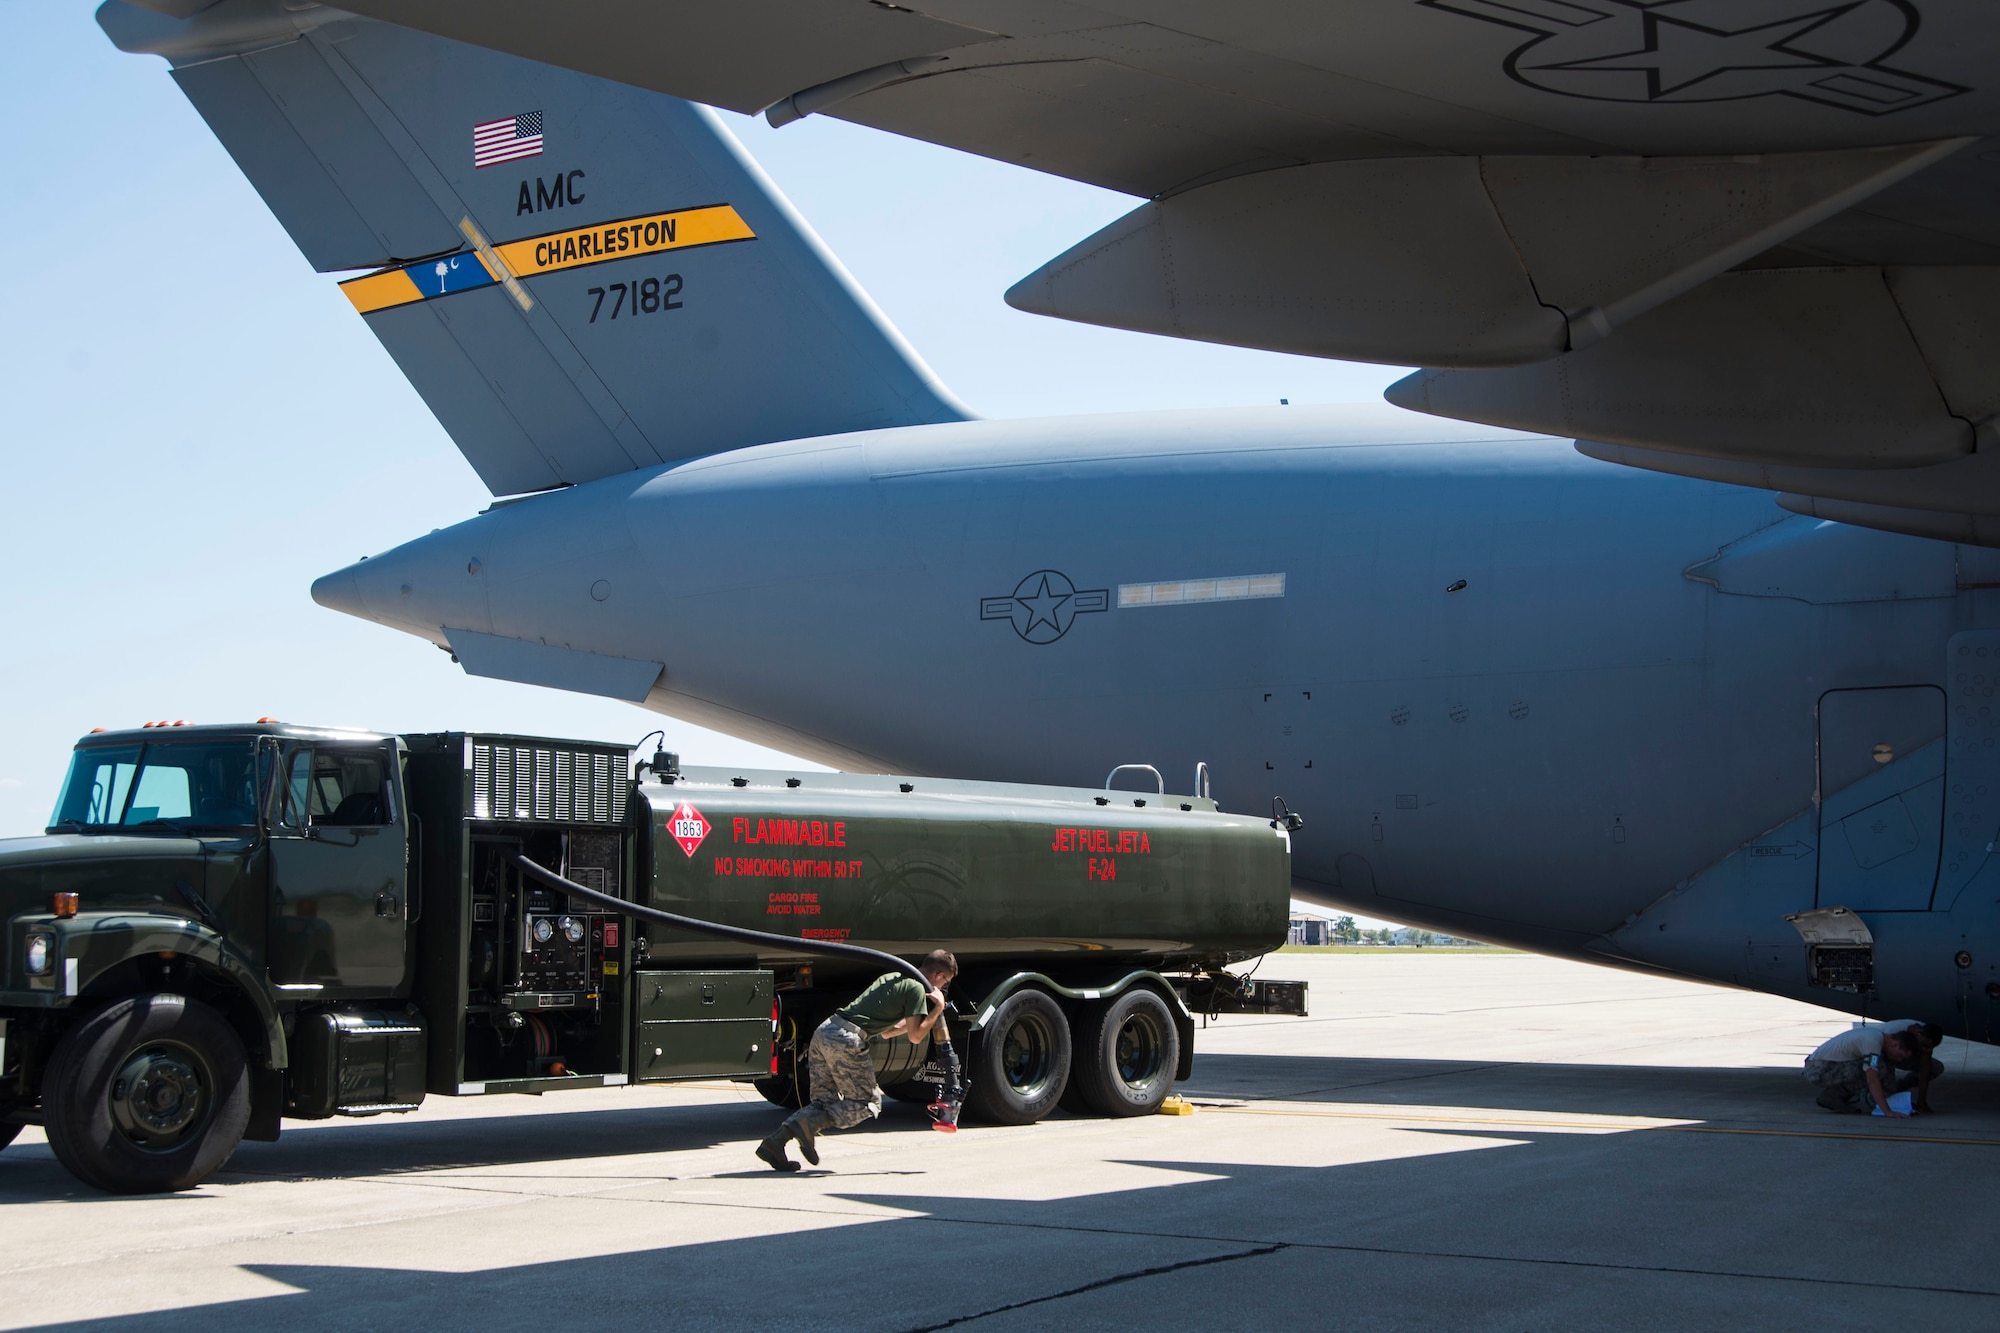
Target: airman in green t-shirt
x,y
843,1084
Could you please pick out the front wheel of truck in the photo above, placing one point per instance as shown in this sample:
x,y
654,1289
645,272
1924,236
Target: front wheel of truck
x,y
148,1095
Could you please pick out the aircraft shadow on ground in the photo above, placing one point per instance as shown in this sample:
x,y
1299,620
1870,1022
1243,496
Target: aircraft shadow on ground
x,y
387,1145
1505,1228
1972,1098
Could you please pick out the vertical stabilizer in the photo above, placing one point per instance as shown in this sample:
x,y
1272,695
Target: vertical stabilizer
x,y
579,277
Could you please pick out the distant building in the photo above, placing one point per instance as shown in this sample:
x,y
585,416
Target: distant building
x,y
1310,929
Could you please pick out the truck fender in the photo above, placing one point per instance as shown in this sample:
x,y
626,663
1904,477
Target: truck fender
x,y
1183,1020
97,942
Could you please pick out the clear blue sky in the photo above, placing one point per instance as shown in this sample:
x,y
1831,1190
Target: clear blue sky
x,y
197,425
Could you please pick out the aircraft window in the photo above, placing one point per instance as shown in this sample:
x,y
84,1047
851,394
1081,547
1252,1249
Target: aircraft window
x,y
337,788
185,784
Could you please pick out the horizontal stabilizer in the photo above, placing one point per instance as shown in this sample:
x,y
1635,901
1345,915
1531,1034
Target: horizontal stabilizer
x,y
579,277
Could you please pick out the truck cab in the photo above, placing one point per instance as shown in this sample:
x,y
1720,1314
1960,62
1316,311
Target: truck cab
x,y
194,884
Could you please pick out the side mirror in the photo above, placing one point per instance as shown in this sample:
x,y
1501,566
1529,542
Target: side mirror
x,y
1281,817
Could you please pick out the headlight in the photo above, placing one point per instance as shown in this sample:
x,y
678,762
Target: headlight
x,y
41,955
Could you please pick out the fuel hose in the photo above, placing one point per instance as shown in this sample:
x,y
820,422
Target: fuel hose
x,y
787,942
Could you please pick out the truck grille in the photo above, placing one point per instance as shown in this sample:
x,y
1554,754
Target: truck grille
x,y
541,782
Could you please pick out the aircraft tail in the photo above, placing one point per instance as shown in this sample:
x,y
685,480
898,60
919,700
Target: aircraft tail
x,y
579,277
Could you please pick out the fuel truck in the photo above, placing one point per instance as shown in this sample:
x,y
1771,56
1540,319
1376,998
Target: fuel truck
x,y
228,926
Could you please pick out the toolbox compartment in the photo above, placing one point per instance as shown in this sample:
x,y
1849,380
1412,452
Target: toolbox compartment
x,y
702,1024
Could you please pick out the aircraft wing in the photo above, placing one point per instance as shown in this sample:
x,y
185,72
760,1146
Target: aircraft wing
x,y
1705,234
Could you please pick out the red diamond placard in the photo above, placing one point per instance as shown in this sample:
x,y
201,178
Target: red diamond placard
x,y
688,828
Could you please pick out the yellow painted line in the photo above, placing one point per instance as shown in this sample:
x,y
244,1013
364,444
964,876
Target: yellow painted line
x,y
1834,1134
379,291
653,233
1453,1119
1683,1126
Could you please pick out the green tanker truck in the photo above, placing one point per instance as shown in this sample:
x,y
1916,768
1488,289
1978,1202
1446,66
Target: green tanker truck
x,y
227,926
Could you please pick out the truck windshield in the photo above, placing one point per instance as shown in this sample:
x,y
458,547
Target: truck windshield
x,y
185,785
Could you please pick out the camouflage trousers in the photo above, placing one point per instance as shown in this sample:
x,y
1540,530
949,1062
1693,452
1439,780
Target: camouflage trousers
x,y
1839,1079
844,1091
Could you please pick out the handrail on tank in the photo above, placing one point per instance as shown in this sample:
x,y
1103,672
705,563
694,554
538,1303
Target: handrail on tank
x,y
1137,768
616,904
1201,779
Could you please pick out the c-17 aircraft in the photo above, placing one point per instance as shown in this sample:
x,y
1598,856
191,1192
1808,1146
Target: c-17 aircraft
x,y
1520,693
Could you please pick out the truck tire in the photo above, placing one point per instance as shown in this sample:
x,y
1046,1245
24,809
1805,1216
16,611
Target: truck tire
x,y
791,1086
1127,1050
1020,1064
149,1095
780,1090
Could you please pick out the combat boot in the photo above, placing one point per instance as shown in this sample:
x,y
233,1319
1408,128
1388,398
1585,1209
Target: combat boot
x,y
772,1150
805,1125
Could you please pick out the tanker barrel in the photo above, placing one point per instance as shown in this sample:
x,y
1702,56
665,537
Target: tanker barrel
x,y
792,943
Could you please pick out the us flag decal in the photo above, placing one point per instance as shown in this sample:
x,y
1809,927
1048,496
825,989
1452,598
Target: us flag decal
x,y
507,140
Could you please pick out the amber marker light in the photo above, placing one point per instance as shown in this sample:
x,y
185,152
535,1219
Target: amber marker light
x,y
262,720
65,905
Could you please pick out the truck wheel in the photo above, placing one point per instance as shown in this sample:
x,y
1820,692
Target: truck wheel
x,y
1020,1063
1126,1054
149,1095
790,1087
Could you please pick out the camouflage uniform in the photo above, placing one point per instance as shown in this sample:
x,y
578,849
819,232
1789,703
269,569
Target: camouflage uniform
x,y
843,1076
1843,1084
844,1090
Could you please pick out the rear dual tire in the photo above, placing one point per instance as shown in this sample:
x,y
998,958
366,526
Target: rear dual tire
x,y
1127,1051
1020,1062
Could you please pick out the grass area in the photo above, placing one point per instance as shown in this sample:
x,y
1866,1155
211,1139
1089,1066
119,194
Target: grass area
x,y
1395,948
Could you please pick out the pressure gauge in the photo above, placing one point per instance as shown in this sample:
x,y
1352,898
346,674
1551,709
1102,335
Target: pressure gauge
x,y
572,930
545,929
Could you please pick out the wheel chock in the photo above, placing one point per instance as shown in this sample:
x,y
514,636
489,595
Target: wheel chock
x,y
1176,1106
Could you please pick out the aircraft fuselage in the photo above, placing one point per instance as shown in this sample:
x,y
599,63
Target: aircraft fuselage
x,y
1518,694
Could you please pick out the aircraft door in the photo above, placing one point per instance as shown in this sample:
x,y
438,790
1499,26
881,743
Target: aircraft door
x,y
1881,797
338,871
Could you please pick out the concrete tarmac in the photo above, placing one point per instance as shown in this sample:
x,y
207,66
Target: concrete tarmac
x,y
1460,1141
